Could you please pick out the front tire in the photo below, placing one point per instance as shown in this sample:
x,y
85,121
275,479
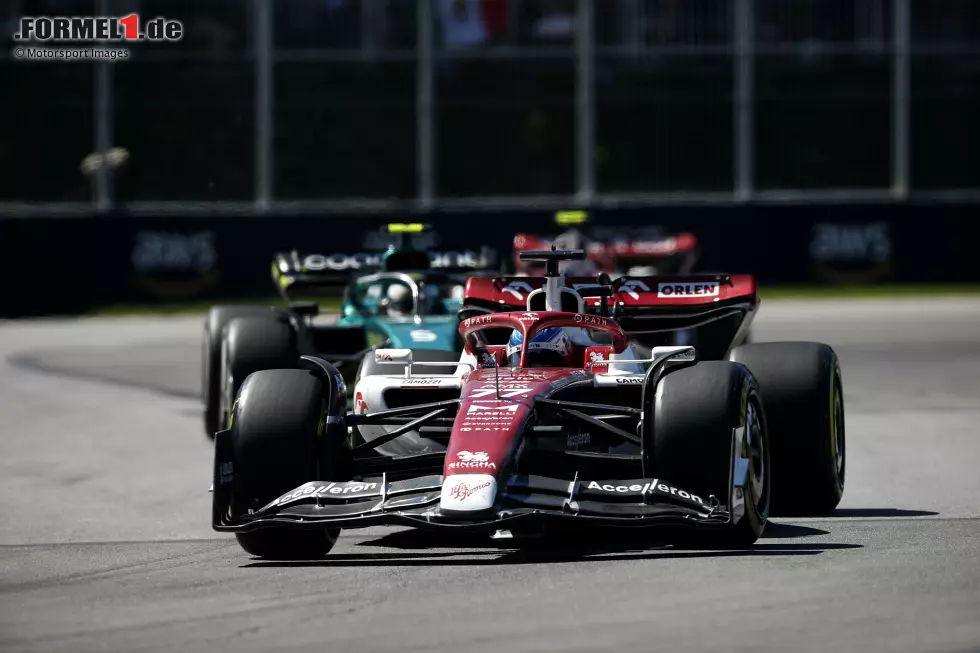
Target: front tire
x,y
801,385
280,442
700,414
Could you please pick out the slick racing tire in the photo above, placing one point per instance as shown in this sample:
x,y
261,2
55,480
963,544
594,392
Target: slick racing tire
x,y
218,317
696,414
278,446
252,344
800,383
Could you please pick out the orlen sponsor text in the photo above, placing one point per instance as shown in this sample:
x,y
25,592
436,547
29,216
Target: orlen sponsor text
x,y
643,489
703,289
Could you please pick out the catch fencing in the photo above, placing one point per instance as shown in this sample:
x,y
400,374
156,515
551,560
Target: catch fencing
x,y
343,106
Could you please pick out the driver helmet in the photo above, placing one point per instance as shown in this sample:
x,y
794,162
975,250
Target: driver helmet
x,y
570,239
548,348
399,300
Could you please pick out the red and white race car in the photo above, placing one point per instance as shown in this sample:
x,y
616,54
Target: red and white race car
x,y
496,443
639,251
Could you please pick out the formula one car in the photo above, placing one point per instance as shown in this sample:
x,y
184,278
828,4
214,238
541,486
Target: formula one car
x,y
509,440
404,297
640,251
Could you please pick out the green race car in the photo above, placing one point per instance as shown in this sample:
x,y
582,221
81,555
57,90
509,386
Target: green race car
x,y
402,297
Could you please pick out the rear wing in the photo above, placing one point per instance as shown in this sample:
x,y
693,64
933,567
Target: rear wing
x,y
295,272
624,248
640,304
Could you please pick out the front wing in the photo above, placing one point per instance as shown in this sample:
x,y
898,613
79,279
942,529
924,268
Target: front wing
x,y
521,499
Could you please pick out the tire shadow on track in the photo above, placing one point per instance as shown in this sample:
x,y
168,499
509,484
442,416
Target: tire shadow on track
x,y
779,530
866,513
422,548
409,539
415,549
523,557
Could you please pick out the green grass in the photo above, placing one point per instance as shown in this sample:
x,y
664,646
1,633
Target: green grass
x,y
768,293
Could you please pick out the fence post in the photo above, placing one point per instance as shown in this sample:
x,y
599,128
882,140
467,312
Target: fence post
x,y
901,61
264,63
584,103
104,112
744,122
424,106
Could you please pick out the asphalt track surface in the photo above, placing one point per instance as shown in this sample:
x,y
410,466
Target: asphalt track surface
x,y
105,543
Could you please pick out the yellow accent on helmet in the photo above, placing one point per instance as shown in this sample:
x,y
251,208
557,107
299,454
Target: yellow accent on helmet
x,y
402,228
571,217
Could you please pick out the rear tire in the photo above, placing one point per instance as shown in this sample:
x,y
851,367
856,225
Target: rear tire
x,y
695,415
214,325
800,383
252,344
279,444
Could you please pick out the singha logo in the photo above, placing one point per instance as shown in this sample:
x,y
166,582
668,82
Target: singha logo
x,y
470,457
487,360
596,357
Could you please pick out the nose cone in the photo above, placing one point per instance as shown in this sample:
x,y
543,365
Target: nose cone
x,y
468,493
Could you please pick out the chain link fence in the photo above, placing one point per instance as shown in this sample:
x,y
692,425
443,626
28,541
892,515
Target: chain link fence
x,y
299,105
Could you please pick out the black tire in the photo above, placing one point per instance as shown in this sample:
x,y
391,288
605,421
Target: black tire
x,y
214,325
801,385
253,344
693,439
278,446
